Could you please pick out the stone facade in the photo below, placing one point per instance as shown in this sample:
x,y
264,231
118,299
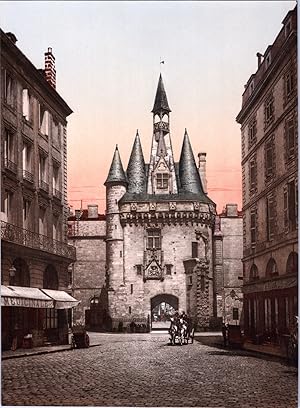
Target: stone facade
x,y
87,232
269,124
33,193
229,235
159,231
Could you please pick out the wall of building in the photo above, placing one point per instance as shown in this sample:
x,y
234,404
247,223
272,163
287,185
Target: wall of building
x,y
270,303
88,237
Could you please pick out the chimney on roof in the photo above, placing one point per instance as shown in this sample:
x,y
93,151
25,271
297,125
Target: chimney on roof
x,y
12,37
202,170
50,72
259,59
92,211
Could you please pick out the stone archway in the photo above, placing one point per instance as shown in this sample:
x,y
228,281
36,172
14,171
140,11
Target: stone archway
x,y
162,307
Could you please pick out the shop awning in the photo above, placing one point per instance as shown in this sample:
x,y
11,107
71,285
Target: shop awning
x,y
18,296
62,300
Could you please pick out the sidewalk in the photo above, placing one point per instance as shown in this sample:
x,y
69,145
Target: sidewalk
x,y
216,339
8,354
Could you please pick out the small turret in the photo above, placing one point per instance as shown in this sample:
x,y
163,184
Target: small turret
x,y
136,172
116,172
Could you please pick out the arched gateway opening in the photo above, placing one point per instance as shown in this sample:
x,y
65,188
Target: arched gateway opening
x,y
162,307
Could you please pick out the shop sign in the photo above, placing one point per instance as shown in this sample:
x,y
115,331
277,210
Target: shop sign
x,y
22,302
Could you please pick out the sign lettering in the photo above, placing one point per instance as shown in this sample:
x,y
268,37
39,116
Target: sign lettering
x,y
22,302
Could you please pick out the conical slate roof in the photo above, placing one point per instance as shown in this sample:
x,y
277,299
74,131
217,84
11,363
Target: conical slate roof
x,y
116,172
161,101
136,172
188,172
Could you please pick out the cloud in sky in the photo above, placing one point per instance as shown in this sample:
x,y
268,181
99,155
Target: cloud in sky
x,y
108,61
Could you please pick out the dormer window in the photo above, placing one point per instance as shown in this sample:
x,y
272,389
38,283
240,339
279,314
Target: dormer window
x,y
162,181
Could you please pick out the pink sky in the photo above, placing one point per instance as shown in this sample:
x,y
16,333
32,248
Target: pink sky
x,y
107,62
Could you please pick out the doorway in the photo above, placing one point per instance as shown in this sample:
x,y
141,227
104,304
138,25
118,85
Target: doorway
x,y
162,308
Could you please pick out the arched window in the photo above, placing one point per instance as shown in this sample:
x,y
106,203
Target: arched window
x,y
50,278
292,263
253,273
271,269
21,276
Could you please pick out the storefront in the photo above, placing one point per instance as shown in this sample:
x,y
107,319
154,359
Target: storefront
x,y
33,317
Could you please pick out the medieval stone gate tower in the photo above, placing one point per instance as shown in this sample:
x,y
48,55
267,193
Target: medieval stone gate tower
x,y
159,230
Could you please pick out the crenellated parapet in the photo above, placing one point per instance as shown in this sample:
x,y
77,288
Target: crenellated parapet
x,y
167,213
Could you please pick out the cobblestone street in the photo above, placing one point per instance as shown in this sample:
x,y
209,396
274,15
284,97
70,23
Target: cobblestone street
x,y
142,370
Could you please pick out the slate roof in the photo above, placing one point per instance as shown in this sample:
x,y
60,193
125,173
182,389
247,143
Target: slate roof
x,y
136,171
161,101
116,172
188,172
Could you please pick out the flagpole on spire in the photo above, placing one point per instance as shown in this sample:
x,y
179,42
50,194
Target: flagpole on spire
x,y
160,62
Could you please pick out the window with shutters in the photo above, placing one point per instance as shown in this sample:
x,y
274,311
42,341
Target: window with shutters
x,y
290,139
290,205
253,174
9,89
253,226
27,105
43,120
269,110
271,218
290,197
252,132
290,82
269,159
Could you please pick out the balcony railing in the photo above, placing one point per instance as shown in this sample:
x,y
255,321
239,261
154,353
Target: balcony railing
x,y
27,176
10,165
20,236
57,194
44,186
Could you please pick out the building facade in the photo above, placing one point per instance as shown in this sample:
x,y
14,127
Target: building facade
x,y
269,124
159,232
35,252
228,253
87,233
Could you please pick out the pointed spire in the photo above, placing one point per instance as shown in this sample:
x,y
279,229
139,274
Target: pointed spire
x,y
116,172
188,172
136,172
161,101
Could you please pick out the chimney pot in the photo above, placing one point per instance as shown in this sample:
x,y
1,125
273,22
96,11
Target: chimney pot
x,y
202,170
231,210
50,72
92,211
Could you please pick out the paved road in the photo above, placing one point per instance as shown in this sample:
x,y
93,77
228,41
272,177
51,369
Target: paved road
x,y
142,370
